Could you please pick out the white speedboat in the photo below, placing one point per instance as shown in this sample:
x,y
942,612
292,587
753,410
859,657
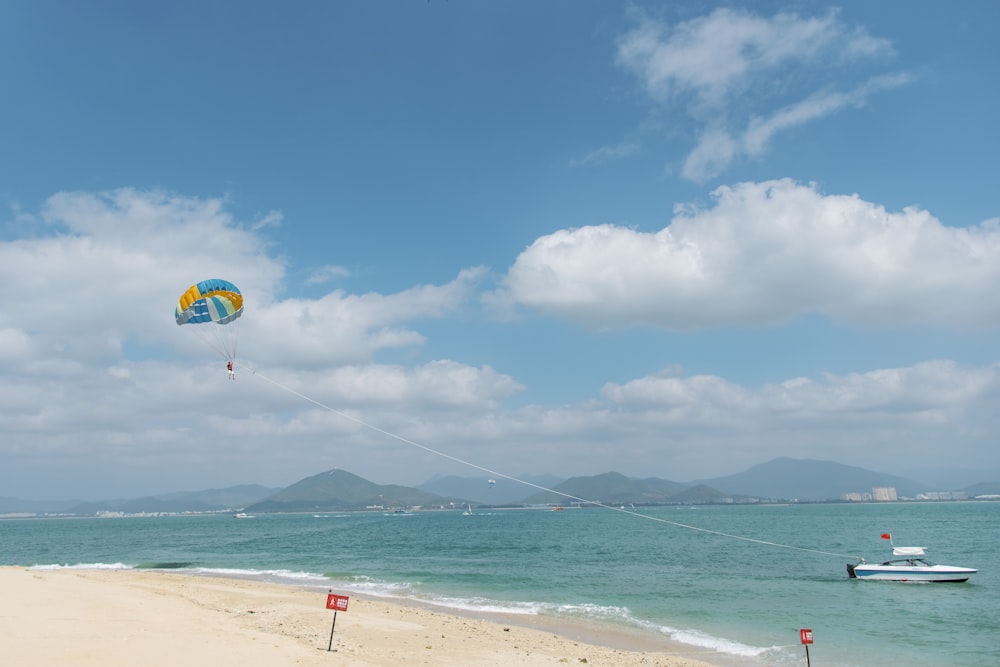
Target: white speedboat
x,y
908,564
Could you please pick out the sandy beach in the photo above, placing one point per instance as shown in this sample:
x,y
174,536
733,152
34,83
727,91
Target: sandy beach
x,y
119,618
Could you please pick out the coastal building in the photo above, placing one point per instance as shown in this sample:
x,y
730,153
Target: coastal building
x,y
943,495
884,493
877,494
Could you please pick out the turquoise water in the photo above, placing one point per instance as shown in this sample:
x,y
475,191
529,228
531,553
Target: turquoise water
x,y
741,602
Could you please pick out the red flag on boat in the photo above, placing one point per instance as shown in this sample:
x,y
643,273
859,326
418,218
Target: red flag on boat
x,y
886,536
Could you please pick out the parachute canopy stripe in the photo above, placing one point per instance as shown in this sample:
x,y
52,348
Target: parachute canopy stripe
x,y
215,308
214,300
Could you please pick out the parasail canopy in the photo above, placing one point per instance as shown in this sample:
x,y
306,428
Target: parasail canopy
x,y
212,304
213,300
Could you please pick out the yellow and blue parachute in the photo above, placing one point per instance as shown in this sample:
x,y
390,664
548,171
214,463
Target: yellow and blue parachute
x,y
213,302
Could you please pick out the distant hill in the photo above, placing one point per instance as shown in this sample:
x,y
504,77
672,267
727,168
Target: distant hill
x,y
479,490
336,490
18,506
613,488
700,493
809,479
984,489
233,497
211,500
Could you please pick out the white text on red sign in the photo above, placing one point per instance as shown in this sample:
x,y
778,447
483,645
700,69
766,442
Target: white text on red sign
x,y
337,602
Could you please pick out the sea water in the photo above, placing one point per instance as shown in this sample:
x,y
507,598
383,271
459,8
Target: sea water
x,y
671,573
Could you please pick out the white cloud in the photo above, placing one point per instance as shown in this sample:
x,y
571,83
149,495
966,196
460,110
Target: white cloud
x,y
270,219
765,254
878,415
84,409
932,391
760,130
606,154
716,149
341,328
726,70
436,385
96,372
110,266
679,427
714,152
326,274
715,56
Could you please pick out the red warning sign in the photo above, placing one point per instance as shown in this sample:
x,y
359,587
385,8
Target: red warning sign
x,y
806,635
336,602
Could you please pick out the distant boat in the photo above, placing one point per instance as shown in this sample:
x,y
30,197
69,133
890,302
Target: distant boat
x,y
241,515
908,565
467,512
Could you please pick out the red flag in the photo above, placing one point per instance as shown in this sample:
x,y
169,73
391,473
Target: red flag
x,y
886,536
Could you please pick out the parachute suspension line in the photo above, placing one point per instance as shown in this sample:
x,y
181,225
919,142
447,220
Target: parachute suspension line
x,y
213,341
220,339
497,473
235,337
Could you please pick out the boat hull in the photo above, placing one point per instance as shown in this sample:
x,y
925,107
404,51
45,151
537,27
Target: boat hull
x,y
930,574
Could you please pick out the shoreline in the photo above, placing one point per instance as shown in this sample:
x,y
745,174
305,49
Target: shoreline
x,y
124,617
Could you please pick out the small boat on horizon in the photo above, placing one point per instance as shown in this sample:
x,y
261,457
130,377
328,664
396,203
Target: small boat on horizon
x,y
399,511
908,565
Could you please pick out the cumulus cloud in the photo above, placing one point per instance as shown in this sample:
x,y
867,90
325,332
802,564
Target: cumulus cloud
x,y
84,405
341,328
111,265
932,391
436,385
729,71
680,425
879,414
765,254
96,372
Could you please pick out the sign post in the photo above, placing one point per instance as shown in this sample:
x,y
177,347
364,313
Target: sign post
x,y
806,637
336,603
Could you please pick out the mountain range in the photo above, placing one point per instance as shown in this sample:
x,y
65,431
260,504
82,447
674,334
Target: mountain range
x,y
809,479
340,490
782,479
480,489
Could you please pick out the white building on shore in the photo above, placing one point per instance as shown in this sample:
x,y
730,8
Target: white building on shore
x,y
880,494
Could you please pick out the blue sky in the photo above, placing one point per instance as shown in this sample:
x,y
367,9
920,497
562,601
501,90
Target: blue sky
x,y
563,237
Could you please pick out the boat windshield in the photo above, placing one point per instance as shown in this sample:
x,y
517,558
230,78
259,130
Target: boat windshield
x,y
912,562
